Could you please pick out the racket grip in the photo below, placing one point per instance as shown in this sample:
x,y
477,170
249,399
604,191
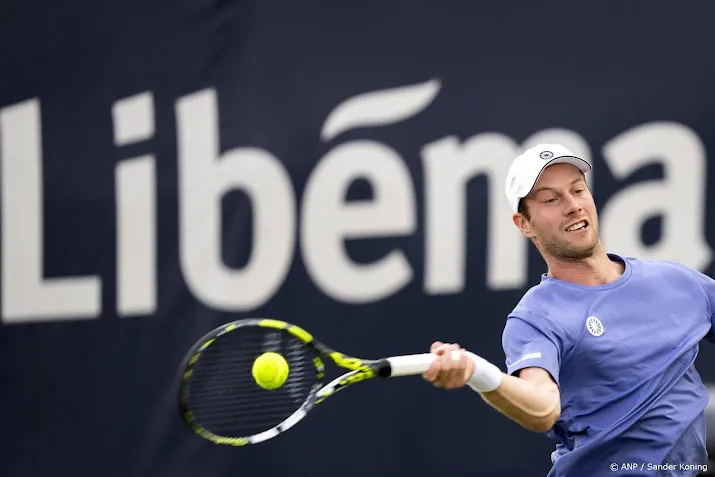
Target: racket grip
x,y
410,364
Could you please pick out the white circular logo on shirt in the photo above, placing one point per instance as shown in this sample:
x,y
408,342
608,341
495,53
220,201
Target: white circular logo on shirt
x,y
594,326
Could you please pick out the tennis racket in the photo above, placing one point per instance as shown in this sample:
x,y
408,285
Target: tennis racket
x,y
222,402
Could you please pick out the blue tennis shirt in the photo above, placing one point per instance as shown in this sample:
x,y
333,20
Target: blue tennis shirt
x,y
623,356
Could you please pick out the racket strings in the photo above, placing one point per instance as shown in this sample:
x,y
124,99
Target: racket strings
x,y
223,394
240,391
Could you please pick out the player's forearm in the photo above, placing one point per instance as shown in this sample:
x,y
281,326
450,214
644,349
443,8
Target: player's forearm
x,y
531,400
533,406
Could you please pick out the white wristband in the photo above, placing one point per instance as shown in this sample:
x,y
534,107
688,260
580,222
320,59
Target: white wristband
x,y
487,377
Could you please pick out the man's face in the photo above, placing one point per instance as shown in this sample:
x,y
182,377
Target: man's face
x,y
563,219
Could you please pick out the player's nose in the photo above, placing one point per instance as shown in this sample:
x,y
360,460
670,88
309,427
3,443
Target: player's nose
x,y
572,206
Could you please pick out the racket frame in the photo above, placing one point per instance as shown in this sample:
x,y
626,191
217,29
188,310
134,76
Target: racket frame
x,y
359,370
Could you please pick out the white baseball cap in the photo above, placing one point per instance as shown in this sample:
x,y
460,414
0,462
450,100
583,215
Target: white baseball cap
x,y
526,169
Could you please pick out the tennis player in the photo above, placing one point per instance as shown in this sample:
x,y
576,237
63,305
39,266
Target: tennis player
x,y
600,354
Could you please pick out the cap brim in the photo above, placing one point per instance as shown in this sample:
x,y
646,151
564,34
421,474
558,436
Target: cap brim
x,y
582,164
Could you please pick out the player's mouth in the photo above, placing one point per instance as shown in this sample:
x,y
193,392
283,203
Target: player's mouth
x,y
581,225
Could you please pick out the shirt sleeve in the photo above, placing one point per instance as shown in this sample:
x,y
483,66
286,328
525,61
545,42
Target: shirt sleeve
x,y
527,346
708,286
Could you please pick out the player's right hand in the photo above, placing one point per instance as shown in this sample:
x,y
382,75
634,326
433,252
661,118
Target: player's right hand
x,y
452,368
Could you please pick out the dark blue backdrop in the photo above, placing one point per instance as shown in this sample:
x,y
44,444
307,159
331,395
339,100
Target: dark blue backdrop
x,y
87,389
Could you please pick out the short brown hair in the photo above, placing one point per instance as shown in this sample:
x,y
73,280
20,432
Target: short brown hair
x,y
524,209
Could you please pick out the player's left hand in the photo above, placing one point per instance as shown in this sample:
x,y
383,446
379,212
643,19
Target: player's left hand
x,y
447,372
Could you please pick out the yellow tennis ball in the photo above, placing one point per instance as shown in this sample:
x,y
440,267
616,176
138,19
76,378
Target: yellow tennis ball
x,y
270,370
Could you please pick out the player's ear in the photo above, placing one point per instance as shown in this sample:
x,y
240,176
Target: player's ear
x,y
522,223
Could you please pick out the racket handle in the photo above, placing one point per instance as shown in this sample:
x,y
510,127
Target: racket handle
x,y
410,364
